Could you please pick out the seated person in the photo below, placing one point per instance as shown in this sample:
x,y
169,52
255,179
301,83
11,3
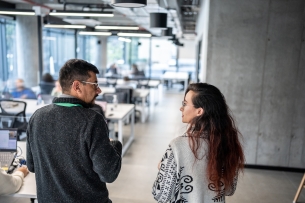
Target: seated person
x,y
57,91
11,183
21,91
136,72
47,84
112,70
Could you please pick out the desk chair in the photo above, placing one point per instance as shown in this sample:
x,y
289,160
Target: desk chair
x,y
301,186
122,97
46,87
143,83
46,98
12,115
111,82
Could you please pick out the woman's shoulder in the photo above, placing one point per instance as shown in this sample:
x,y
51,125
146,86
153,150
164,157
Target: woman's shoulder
x,y
181,140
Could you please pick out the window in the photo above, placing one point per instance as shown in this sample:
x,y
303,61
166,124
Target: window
x,y
8,62
88,48
58,47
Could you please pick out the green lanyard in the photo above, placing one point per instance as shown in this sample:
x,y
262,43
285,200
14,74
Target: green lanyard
x,y
68,104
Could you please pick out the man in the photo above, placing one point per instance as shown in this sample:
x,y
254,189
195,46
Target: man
x,y
68,146
21,91
11,183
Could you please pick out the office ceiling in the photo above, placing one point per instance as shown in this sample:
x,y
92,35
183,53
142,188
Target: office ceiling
x,y
181,14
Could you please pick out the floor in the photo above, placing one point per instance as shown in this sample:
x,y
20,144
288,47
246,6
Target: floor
x,y
139,167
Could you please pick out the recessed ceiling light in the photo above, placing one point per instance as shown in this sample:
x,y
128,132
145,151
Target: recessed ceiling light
x,y
81,13
17,12
95,33
122,34
65,26
102,27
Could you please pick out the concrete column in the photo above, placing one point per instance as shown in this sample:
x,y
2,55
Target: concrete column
x,y
27,49
102,55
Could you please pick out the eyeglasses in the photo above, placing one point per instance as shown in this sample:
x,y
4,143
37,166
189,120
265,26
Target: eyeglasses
x,y
184,104
92,83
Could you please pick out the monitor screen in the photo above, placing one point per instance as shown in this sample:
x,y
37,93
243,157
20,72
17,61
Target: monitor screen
x,y
8,140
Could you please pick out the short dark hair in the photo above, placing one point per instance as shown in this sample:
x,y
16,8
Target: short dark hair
x,y
47,77
75,69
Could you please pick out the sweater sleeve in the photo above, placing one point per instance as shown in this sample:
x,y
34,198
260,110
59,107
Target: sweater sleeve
x,y
105,156
12,182
29,155
164,186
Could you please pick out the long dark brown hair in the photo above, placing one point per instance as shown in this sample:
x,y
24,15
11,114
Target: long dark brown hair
x,y
225,155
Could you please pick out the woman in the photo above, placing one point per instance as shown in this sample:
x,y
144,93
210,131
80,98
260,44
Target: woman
x,y
203,164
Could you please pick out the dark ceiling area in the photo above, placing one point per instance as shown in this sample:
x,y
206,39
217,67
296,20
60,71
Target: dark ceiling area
x,y
181,14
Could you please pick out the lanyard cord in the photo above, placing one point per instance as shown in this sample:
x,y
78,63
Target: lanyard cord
x,y
68,104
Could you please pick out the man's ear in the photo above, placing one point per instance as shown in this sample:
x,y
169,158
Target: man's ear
x,y
200,111
75,86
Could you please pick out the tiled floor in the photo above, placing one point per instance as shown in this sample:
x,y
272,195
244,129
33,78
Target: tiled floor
x,y
139,167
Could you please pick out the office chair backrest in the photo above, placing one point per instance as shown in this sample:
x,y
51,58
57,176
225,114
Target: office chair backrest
x,y
111,81
143,83
46,87
121,97
129,94
47,99
12,115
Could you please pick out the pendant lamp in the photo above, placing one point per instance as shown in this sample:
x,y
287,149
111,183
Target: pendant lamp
x,y
168,32
129,3
158,20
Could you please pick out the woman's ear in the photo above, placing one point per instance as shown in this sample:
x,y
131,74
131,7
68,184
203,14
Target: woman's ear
x,y
200,111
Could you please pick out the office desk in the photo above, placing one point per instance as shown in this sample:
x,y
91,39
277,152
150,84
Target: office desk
x,y
119,114
28,190
140,93
179,76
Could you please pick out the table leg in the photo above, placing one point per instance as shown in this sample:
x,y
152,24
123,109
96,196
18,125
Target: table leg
x,y
143,113
120,131
131,138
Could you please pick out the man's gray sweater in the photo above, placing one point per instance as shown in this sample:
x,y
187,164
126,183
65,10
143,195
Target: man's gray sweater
x,y
69,151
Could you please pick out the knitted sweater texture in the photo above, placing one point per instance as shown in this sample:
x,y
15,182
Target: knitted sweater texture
x,y
181,178
69,151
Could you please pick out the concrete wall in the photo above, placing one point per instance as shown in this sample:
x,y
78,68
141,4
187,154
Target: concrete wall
x,y
256,57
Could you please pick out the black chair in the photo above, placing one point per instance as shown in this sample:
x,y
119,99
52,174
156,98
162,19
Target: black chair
x,y
12,115
46,87
129,93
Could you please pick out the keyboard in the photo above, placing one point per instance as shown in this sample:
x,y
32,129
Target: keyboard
x,y
6,159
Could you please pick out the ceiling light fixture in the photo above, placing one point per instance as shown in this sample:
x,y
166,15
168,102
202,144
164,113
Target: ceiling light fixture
x,y
105,27
65,26
123,34
124,39
95,33
129,3
158,20
81,13
17,12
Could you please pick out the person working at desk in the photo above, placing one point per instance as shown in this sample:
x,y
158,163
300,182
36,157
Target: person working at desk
x,y
21,91
11,183
73,139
